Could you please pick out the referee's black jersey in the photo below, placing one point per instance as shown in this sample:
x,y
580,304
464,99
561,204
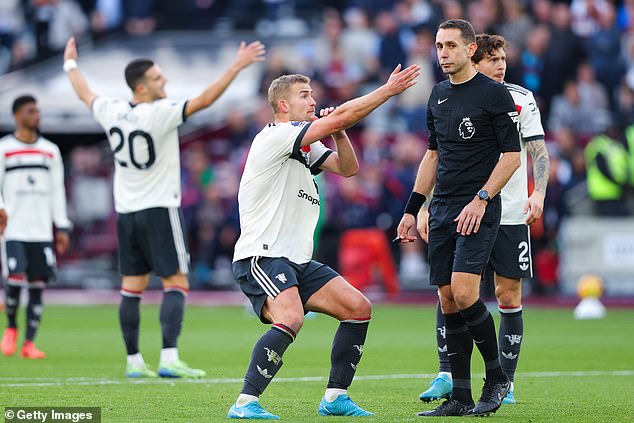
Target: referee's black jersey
x,y
470,124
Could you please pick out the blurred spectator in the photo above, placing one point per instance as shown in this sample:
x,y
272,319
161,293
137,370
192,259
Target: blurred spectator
x,y
542,11
414,101
274,66
532,59
625,102
604,47
586,15
515,24
392,50
607,167
416,13
12,29
55,22
564,53
590,90
107,16
359,43
481,15
572,111
139,17
452,9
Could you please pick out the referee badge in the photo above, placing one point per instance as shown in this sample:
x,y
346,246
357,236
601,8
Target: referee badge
x,y
466,128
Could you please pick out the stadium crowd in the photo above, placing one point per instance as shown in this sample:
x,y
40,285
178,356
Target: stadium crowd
x,y
576,56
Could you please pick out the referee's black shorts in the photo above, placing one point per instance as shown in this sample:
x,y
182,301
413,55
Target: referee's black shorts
x,y
152,240
451,252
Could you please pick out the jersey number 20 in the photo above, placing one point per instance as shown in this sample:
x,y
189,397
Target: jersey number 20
x,y
144,135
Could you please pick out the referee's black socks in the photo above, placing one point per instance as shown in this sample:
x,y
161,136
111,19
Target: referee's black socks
x,y
482,330
459,349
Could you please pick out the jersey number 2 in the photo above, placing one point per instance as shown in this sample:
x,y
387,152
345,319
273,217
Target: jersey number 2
x,y
150,147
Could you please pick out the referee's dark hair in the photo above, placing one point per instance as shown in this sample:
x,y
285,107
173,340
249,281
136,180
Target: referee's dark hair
x,y
465,27
21,101
487,45
135,71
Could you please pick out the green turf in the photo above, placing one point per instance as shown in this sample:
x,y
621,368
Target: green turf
x,y
86,364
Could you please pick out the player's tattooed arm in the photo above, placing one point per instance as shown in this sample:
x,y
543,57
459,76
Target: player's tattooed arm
x,y
541,171
541,163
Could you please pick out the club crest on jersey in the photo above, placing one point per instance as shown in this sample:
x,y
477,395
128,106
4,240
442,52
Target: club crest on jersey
x,y
466,128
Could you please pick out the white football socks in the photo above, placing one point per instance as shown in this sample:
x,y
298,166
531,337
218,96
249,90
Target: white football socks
x,y
244,399
332,393
169,355
136,360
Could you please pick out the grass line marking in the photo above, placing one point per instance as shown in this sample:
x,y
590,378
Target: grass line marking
x,y
24,382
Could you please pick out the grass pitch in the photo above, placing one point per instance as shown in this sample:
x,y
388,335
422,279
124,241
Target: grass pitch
x,y
569,371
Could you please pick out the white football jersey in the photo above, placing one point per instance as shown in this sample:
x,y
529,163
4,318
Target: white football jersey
x,y
32,183
515,192
144,140
278,197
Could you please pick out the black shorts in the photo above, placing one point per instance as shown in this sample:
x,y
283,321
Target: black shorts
x,y
451,252
511,254
36,260
152,240
262,277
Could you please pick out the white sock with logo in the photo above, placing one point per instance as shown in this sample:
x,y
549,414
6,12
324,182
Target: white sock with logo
x,y
136,360
244,399
332,393
169,355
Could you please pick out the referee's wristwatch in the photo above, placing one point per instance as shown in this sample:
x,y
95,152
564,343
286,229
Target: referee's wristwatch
x,y
484,195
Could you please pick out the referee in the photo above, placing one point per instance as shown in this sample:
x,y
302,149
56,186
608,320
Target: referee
x,y
473,151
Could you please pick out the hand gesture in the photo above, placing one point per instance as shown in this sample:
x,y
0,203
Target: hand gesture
x,y
62,241
70,52
248,54
534,206
402,232
3,220
423,224
400,80
470,217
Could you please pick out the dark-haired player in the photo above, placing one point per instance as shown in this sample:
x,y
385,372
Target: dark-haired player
x,y
144,139
32,184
